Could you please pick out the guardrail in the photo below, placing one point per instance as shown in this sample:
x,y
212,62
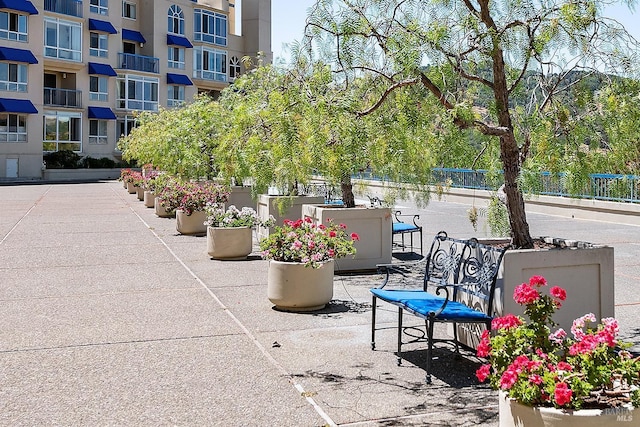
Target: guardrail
x,y
610,187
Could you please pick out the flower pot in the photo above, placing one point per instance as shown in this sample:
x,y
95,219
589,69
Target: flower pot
x,y
140,193
269,205
293,287
149,199
161,211
131,188
191,224
373,225
514,414
229,243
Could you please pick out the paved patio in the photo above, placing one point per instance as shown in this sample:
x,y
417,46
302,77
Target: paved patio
x,y
111,318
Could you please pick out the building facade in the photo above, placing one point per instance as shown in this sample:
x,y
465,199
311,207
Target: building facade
x,y
74,72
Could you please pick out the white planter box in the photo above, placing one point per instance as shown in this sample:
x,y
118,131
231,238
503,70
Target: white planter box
x,y
585,271
268,205
373,225
240,197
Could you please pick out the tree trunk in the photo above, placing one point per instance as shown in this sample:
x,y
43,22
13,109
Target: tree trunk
x,y
509,155
346,186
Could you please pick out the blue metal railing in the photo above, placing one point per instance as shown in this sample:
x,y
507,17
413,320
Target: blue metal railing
x,y
130,61
611,187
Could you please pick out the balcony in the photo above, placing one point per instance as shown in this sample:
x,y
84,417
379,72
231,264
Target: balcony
x,y
62,98
130,61
66,7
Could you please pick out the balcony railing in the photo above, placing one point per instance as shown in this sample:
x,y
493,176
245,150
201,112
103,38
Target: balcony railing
x,y
62,97
130,61
66,7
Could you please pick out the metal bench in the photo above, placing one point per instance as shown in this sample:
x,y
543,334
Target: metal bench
x,y
462,277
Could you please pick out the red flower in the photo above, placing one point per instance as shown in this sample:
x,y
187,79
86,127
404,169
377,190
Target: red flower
x,y
483,372
484,346
525,294
343,226
354,236
562,394
537,281
564,366
507,321
508,378
332,233
535,378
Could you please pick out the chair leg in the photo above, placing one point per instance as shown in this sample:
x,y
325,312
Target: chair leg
x,y
399,354
373,322
429,349
455,337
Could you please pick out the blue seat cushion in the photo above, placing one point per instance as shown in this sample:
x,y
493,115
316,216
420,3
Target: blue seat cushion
x,y
422,303
401,226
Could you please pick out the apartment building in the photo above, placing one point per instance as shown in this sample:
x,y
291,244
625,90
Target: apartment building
x,y
73,73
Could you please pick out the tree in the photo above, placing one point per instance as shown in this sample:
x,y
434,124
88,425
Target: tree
x,y
459,50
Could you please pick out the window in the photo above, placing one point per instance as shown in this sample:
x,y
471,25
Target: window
x,y
176,20
98,88
99,6
210,27
234,67
98,45
137,93
125,124
210,64
13,127
176,57
62,131
62,39
13,26
175,96
13,77
98,131
128,10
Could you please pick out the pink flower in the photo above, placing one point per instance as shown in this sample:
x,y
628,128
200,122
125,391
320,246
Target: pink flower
x,y
537,281
506,322
564,366
611,324
484,346
483,372
562,394
558,293
508,379
297,245
558,336
579,323
535,379
332,233
525,294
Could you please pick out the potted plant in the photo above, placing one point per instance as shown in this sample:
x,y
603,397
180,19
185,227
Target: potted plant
x,y
124,173
301,258
190,212
547,377
230,232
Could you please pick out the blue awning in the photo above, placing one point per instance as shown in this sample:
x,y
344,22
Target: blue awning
x,y
19,5
103,113
133,36
17,106
178,79
173,40
102,69
17,55
102,26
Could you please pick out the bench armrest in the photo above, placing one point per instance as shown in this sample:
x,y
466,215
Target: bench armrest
x,y
398,214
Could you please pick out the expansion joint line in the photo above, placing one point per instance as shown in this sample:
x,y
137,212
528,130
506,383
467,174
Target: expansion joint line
x,y
24,216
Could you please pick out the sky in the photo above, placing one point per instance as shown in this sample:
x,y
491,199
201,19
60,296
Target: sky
x,y
288,19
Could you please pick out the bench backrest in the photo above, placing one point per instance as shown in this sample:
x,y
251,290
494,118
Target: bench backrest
x,y
479,273
444,259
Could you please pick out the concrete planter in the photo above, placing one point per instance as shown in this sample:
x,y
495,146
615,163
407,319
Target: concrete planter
x,y
585,270
149,199
161,211
514,414
131,189
191,224
373,225
268,205
293,287
229,243
140,193
240,197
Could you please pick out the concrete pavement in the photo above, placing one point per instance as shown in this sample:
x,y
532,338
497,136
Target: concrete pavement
x,y
109,317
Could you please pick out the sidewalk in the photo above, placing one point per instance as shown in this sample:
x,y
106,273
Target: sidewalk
x,y
111,318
